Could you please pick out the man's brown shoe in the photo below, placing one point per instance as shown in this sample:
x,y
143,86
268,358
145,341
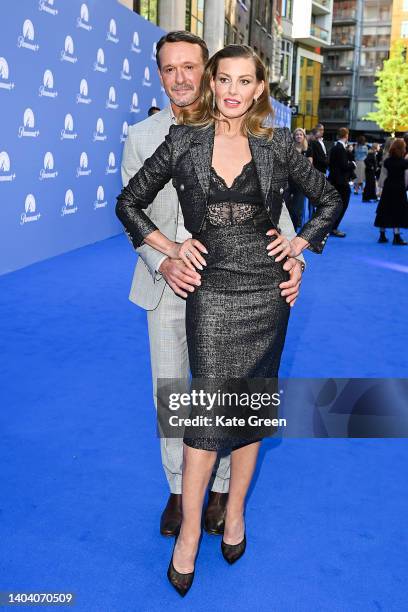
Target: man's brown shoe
x,y
171,518
215,513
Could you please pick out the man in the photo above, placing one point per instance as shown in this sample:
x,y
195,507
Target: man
x,y
160,284
319,152
340,170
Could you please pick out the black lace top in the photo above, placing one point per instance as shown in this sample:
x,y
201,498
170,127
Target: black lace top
x,y
238,203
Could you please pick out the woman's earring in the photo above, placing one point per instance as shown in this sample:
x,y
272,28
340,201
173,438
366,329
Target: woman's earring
x,y
213,103
255,100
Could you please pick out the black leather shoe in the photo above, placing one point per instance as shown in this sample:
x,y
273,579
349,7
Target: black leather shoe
x,y
170,521
181,582
214,516
383,238
338,234
233,552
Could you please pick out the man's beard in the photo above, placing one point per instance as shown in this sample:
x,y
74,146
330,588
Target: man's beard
x,y
185,102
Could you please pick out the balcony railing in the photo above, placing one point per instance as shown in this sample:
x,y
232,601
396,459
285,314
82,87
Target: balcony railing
x,y
344,14
343,41
336,91
330,67
334,114
319,32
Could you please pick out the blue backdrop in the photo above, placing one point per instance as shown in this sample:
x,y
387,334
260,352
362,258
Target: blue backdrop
x,y
73,76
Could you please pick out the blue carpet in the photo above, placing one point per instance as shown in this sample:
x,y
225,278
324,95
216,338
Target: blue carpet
x,y
82,482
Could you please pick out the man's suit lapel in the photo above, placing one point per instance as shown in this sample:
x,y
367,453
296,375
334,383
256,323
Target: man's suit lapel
x,y
202,152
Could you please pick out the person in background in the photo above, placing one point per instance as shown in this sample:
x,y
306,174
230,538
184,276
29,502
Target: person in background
x,y
350,157
370,188
339,175
383,171
296,200
379,158
360,155
392,210
318,148
153,110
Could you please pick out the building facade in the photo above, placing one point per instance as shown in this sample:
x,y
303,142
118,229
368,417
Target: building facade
x,y
312,24
361,39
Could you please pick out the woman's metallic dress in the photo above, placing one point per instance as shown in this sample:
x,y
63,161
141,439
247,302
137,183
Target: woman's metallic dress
x,y
236,321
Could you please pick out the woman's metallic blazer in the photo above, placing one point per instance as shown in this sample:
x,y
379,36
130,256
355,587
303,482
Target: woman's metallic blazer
x,y
185,157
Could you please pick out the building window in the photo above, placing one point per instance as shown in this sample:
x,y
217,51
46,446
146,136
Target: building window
x,y
147,9
286,53
286,9
227,28
405,6
195,16
309,83
404,29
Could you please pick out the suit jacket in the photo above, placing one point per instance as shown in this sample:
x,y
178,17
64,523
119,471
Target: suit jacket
x,y
340,166
185,158
164,210
320,160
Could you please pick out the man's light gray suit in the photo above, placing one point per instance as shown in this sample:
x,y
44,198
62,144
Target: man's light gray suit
x,y
165,309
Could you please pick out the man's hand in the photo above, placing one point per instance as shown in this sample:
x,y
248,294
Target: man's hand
x,y
290,288
179,276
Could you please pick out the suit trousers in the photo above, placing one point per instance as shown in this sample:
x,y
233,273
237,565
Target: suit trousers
x,y
345,192
169,359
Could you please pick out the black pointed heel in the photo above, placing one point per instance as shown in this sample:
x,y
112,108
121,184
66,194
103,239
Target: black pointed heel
x,y
233,552
181,582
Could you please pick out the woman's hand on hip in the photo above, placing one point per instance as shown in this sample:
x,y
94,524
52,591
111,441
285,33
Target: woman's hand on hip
x,y
280,246
189,252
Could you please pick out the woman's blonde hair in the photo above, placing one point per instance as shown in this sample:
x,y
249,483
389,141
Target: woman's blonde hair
x,y
305,144
205,114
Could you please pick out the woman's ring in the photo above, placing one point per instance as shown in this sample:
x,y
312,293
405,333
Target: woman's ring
x,y
187,254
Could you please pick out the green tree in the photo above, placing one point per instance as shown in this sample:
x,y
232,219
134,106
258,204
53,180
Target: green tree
x,y
391,112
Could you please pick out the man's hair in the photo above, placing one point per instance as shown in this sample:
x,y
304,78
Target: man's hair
x,y
315,131
152,110
182,36
319,126
343,132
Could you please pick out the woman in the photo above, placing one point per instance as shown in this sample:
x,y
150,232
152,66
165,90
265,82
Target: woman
x,y
370,187
383,171
392,210
230,172
296,203
360,153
